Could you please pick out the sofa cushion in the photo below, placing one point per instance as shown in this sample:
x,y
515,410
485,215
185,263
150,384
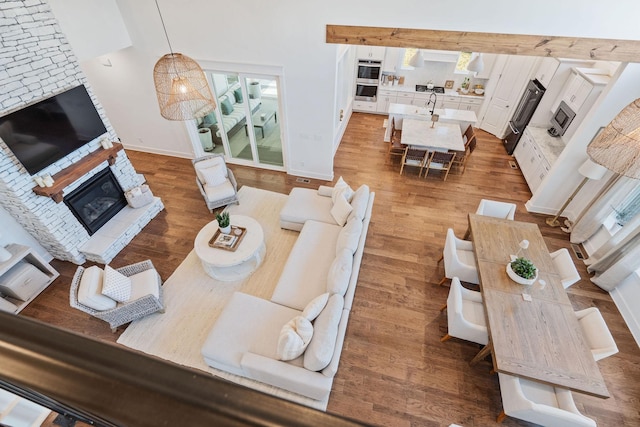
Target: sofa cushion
x,y
210,119
237,93
144,283
115,285
207,163
325,332
341,210
294,338
226,106
215,175
90,290
343,189
340,272
360,202
304,275
305,204
219,192
315,307
349,236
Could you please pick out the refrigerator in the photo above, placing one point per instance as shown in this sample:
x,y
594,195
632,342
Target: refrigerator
x,y
523,113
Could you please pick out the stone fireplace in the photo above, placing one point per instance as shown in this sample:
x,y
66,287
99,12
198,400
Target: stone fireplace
x,y
96,201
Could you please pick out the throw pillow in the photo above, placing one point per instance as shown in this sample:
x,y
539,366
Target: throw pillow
x,y
116,285
360,202
341,210
349,236
325,333
315,306
209,120
207,163
340,272
341,188
238,94
226,107
294,338
90,290
214,175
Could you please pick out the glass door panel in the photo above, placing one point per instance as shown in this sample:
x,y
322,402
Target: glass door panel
x,y
264,103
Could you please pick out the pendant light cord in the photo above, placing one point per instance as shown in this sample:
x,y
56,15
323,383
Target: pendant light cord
x,y
173,58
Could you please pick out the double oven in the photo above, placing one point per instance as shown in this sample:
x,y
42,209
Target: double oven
x,y
368,75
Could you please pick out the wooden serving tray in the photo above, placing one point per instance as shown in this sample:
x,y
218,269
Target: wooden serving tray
x,y
228,242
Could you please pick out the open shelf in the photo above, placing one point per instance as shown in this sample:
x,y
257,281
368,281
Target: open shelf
x,y
69,175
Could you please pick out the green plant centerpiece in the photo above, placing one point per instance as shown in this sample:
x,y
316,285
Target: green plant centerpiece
x,y
224,222
522,270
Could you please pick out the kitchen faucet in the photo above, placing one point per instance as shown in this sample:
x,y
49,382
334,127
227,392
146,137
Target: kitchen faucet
x,y
432,102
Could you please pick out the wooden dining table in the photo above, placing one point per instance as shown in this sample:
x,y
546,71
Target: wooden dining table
x,y
440,137
539,339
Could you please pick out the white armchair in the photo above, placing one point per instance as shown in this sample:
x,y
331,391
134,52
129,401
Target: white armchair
x,y
565,267
496,209
459,260
465,315
597,333
539,403
216,182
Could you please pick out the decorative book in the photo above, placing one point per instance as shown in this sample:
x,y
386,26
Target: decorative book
x,y
228,242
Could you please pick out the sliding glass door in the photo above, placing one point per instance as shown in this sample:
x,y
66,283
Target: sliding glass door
x,y
246,124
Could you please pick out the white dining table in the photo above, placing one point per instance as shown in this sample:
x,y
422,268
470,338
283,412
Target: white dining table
x,y
440,137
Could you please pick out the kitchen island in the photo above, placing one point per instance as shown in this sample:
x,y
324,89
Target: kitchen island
x,y
398,112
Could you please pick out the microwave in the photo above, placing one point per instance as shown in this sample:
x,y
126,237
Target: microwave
x,y
368,71
366,92
561,119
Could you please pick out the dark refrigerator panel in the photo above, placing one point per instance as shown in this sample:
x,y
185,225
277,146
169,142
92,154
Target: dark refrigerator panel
x,y
523,113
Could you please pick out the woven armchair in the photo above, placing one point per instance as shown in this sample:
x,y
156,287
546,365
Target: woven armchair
x,y
123,312
219,195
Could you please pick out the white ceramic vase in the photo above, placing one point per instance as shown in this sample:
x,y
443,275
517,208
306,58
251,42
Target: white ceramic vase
x,y
225,230
521,280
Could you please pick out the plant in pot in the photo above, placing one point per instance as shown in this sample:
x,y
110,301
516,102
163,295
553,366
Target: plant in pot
x,y
224,222
522,271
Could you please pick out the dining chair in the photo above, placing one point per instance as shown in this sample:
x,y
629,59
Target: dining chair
x,y
416,157
539,403
465,315
565,267
597,333
441,161
460,161
496,209
459,260
468,134
396,147
216,182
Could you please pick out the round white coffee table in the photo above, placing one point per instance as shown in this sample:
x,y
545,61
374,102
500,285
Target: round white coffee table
x,y
226,265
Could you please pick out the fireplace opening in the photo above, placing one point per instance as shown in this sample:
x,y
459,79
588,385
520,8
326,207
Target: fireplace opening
x,y
97,200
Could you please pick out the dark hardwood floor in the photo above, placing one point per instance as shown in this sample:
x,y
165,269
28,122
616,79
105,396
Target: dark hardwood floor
x,y
394,370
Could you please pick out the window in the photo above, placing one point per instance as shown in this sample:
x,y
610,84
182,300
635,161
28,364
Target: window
x,y
408,54
463,61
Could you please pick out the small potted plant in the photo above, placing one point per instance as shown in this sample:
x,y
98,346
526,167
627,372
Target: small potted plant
x,y
522,271
465,85
224,222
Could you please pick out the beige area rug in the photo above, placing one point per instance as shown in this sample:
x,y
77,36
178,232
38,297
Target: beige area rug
x,y
193,300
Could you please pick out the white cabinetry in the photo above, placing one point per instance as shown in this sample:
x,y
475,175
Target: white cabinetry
x,y
546,69
532,161
370,52
24,275
385,97
392,59
576,91
471,104
405,98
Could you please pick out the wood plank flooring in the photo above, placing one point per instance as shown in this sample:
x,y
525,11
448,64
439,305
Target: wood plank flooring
x,y
394,370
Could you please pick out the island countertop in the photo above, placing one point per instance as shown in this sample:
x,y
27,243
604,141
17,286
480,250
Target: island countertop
x,y
446,114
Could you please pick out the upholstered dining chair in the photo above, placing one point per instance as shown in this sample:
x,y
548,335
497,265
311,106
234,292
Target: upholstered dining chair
x,y
459,260
496,209
216,182
465,315
597,333
415,157
565,267
396,147
539,403
145,294
441,161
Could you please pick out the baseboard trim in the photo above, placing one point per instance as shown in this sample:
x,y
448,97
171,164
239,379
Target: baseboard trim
x,y
145,149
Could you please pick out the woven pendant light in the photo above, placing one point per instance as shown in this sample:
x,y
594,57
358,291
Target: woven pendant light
x,y
617,147
181,86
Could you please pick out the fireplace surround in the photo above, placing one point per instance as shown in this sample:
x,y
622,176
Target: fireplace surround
x,y
96,201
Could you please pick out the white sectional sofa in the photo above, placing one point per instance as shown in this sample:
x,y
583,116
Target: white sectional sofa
x,y
323,266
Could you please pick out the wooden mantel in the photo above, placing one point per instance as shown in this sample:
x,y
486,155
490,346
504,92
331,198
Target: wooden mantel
x,y
72,173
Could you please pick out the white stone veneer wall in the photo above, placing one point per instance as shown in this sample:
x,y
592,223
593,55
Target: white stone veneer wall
x,y
37,62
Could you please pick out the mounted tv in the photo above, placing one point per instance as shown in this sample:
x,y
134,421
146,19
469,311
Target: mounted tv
x,y
44,132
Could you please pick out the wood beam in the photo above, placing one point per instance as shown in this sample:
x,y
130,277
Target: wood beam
x,y
511,44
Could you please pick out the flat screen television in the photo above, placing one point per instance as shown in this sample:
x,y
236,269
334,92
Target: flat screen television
x,y
44,132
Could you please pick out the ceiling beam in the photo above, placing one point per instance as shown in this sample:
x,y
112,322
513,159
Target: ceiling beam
x,y
511,44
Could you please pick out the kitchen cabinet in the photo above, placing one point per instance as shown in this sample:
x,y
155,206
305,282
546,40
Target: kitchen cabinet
x,y
370,52
535,153
25,274
449,102
546,69
391,61
471,104
576,91
405,98
366,106
385,97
